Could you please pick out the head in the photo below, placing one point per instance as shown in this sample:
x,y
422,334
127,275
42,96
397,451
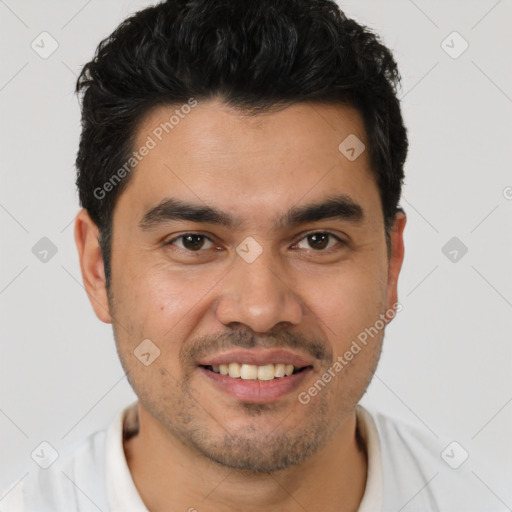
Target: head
x,y
240,168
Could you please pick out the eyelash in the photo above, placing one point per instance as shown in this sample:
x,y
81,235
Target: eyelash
x,y
338,239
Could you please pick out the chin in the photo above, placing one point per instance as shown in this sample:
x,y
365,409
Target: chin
x,y
260,450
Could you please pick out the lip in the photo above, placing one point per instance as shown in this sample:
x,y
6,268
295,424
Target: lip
x,y
256,391
258,357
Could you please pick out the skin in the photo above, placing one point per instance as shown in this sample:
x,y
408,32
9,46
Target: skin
x,y
198,446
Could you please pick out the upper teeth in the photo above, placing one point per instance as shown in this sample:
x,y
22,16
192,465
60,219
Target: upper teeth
x,y
253,372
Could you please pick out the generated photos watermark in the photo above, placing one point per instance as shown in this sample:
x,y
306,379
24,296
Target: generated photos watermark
x,y
357,345
157,134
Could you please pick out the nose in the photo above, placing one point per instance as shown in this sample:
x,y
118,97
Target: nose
x,y
257,295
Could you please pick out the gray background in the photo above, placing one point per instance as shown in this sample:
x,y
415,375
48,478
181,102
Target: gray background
x,y
447,357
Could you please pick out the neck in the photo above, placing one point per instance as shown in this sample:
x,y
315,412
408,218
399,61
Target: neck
x,y
165,471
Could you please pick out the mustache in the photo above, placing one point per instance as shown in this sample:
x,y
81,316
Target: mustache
x,y
208,345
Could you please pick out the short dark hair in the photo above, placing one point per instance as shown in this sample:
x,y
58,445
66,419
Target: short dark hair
x,y
255,56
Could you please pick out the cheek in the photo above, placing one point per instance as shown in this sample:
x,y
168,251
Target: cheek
x,y
349,301
161,305
152,301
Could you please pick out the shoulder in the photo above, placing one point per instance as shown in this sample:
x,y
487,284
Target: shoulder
x,y
422,471
75,481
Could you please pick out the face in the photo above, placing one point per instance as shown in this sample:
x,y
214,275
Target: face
x,y
249,245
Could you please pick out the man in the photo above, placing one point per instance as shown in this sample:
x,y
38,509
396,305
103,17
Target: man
x,y
239,169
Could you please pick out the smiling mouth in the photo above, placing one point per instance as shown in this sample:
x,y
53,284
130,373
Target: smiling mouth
x,y
254,372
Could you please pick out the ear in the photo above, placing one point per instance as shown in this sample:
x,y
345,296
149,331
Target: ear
x,y
396,257
91,265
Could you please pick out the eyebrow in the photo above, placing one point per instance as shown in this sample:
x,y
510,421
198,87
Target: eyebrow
x,y
340,207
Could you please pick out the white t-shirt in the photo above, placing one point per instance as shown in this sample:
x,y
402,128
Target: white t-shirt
x,y
406,473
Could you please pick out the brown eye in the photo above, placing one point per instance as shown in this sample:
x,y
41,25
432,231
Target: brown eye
x,y
319,241
191,242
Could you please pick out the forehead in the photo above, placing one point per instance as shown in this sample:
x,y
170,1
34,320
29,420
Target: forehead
x,y
213,128
216,155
